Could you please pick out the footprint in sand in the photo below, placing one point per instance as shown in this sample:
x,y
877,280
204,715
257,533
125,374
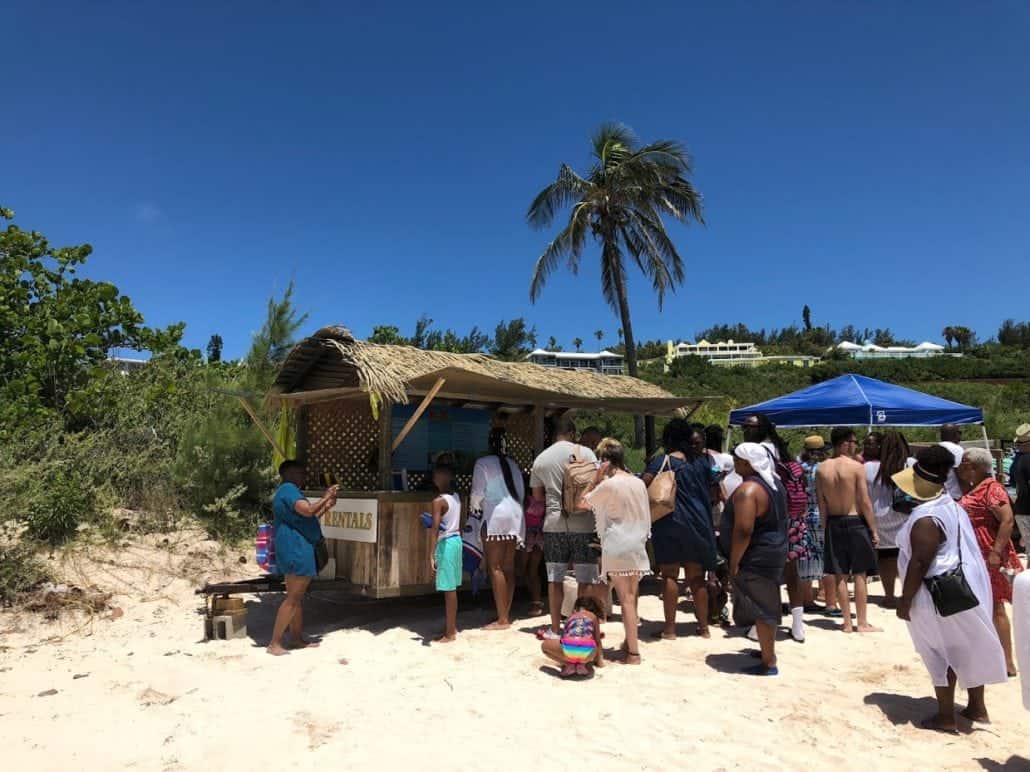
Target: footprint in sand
x,y
318,731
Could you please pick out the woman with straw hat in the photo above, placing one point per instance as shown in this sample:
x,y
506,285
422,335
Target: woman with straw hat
x,y
946,593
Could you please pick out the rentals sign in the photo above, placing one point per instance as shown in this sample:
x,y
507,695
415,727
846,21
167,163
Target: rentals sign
x,y
352,520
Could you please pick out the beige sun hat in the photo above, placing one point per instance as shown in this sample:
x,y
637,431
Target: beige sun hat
x,y
919,483
1022,434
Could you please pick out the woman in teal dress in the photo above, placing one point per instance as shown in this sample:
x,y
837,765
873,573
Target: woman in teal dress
x,y
297,530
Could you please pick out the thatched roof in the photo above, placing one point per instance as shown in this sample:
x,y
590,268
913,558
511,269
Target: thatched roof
x,y
332,364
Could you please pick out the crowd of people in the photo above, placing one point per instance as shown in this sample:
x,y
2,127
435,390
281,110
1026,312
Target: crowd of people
x,y
935,527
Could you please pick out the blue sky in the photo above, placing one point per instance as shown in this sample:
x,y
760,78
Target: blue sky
x,y
868,159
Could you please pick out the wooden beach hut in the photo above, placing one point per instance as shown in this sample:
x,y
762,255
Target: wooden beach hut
x,y
371,417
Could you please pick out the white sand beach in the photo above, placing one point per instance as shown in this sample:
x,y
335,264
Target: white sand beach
x,y
144,691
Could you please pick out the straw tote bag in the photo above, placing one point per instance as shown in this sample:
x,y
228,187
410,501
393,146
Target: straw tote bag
x,y
661,493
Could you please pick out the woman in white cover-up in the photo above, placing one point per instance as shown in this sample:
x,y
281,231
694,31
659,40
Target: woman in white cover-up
x,y
498,491
620,504
961,648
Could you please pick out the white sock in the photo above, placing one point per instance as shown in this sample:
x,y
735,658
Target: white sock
x,y
797,627
752,634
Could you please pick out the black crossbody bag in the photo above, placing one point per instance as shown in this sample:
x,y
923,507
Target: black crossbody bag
x,y
950,591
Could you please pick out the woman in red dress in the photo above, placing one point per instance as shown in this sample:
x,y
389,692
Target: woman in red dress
x,y
990,511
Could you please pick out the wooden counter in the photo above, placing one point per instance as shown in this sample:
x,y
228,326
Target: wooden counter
x,y
396,563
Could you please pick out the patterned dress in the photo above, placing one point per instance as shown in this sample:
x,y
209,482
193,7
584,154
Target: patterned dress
x,y
810,567
979,502
792,475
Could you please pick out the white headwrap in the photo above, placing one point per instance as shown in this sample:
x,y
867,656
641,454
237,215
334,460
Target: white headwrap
x,y
758,456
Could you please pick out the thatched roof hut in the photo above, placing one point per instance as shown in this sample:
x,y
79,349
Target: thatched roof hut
x,y
332,364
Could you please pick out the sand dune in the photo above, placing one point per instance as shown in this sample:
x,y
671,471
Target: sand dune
x,y
144,691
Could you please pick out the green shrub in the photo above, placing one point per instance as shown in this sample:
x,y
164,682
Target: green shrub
x,y
64,500
20,568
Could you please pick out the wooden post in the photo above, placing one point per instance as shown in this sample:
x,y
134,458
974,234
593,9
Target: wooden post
x,y
385,455
261,426
649,438
417,414
538,430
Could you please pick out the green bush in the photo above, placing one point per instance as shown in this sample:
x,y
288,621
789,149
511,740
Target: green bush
x,y
59,505
20,568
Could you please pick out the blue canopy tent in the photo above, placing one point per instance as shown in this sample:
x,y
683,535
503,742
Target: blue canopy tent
x,y
855,400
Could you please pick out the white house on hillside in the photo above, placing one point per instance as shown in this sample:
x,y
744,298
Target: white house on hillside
x,y
872,351
725,352
603,362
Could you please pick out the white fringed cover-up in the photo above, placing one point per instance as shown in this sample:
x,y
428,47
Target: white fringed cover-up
x,y
966,642
490,495
623,515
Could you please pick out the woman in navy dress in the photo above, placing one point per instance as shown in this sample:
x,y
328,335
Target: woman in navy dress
x,y
685,538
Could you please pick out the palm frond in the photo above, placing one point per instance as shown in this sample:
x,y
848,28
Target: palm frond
x,y
567,245
679,199
567,188
613,272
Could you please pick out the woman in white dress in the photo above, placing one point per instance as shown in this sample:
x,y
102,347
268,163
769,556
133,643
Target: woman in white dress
x,y
498,491
620,504
961,648
892,456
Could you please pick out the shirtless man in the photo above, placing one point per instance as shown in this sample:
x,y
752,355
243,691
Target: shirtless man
x,y
851,536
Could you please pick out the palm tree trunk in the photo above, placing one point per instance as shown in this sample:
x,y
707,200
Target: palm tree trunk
x,y
631,351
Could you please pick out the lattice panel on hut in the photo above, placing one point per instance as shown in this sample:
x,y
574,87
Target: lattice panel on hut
x,y
423,481
343,439
520,428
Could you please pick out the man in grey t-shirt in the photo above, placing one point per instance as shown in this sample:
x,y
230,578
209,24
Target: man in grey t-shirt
x,y
567,536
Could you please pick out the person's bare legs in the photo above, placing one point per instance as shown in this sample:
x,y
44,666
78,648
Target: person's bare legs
x,y
976,709
695,576
496,556
888,576
296,586
533,561
767,642
844,602
1004,628
508,566
297,639
628,588
945,718
670,597
862,605
555,597
829,587
450,610
553,650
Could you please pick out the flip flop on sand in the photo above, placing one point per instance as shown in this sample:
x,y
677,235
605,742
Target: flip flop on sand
x,y
663,636
762,670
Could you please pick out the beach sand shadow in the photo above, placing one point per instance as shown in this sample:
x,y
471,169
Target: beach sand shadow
x,y
731,663
1013,764
328,612
555,672
900,710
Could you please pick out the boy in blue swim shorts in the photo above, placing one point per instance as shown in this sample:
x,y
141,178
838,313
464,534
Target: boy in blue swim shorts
x,y
446,535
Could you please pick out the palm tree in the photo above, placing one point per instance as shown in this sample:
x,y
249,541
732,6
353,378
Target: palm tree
x,y
578,343
552,343
620,203
948,333
599,334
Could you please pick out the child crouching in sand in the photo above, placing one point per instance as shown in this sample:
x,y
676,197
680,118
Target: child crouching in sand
x,y
580,645
446,535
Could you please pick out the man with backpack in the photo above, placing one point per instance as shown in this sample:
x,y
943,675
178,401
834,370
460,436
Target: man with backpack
x,y
568,534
